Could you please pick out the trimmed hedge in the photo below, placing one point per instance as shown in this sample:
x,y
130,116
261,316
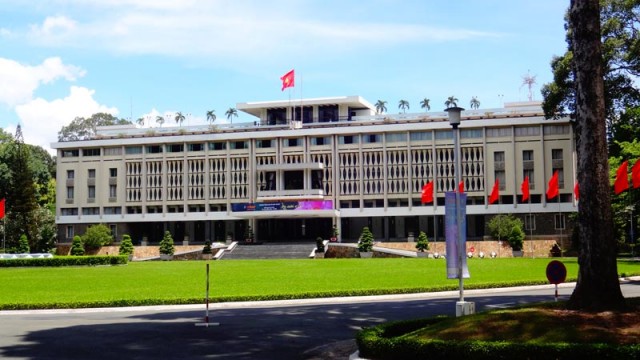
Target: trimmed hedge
x,y
388,341
66,261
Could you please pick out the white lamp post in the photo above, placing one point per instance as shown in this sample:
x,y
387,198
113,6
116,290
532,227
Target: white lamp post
x,y
462,307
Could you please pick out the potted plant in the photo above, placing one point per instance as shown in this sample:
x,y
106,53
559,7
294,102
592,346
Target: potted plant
x,y
126,246
422,245
334,234
166,246
365,244
248,235
206,251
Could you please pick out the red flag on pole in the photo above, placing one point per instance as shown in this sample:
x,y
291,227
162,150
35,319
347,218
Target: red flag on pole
x,y
622,178
2,208
461,187
635,174
288,80
427,193
576,191
554,186
495,193
525,189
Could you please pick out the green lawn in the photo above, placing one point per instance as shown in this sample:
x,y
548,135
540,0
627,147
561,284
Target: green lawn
x,y
141,283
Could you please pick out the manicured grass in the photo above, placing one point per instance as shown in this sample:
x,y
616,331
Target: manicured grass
x,y
141,283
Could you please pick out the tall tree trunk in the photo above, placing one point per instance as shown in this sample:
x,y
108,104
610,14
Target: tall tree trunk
x,y
598,287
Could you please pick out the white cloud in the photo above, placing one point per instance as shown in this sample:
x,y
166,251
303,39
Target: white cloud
x,y
42,119
54,27
18,81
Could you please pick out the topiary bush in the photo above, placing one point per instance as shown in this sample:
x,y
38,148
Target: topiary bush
x,y
166,244
319,245
97,236
77,247
23,245
126,245
365,244
422,244
207,247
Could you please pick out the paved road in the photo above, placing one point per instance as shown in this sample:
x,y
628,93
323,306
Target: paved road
x,y
263,330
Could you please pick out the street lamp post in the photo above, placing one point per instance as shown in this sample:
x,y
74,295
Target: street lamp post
x,y
462,307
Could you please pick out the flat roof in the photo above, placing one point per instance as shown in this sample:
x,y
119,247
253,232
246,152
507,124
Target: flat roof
x,y
254,108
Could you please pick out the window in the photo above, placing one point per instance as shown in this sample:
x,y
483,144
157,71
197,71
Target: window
x,y
556,129
348,139
527,131
559,222
498,132
70,153
112,210
292,142
371,138
154,149
529,222
264,143
91,152
114,230
69,232
91,192
71,174
499,168
69,211
420,136
70,192
133,150
558,165
293,180
91,173
113,191
321,140
196,147
528,167
112,151
113,172
444,134
174,148
238,145
91,211
316,179
470,133
220,145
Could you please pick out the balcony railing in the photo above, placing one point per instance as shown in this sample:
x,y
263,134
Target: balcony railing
x,y
298,194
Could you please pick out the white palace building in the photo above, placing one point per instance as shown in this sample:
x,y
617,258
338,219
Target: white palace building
x,y
335,163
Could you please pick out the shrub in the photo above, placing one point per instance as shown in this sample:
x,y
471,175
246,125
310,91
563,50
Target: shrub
x,y
207,247
66,261
97,236
504,227
77,247
23,245
365,244
166,244
423,242
126,246
319,245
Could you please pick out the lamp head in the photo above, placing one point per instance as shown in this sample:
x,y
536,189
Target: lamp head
x,y
454,115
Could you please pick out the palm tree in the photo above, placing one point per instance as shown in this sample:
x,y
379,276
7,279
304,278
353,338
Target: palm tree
x,y
211,116
159,120
425,104
403,105
381,106
179,118
231,113
474,103
140,121
452,101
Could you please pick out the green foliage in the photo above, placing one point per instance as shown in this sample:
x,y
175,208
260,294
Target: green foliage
x,y
97,236
207,247
166,244
334,231
365,244
83,129
509,228
126,246
77,247
423,242
59,261
23,245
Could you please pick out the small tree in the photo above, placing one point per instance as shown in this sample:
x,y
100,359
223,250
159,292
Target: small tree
x,y
97,236
423,242
207,247
509,228
516,237
319,245
166,244
23,245
334,233
77,247
126,246
365,244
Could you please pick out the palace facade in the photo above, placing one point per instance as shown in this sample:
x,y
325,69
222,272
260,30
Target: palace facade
x,y
304,166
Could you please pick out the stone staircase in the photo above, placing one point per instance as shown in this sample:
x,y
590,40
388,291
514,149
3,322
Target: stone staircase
x,y
271,251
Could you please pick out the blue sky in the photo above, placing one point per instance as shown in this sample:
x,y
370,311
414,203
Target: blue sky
x,y
139,58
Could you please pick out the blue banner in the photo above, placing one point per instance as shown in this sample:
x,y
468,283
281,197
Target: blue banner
x,y
454,236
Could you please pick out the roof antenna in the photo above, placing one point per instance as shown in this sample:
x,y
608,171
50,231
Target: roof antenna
x,y
529,81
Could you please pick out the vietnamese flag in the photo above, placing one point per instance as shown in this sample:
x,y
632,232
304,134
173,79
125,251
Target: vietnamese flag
x,y
288,80
2,208
622,178
525,189
635,174
576,191
427,193
495,193
461,187
554,186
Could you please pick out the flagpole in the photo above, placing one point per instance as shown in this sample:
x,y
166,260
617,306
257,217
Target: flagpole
x,y
530,228
561,220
